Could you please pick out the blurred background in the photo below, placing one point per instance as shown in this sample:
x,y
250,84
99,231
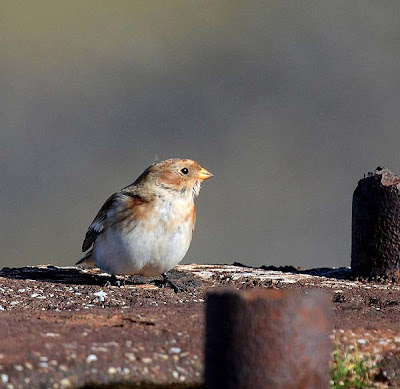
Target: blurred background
x,y
287,103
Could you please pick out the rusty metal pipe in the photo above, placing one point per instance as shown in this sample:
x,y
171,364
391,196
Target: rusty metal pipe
x,y
375,250
271,339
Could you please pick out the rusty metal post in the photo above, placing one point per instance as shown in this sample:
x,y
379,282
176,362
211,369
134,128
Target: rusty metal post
x,y
271,339
375,250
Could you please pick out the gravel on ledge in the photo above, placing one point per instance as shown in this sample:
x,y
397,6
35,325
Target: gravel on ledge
x,y
62,328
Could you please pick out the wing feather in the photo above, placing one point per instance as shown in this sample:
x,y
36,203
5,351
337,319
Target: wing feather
x,y
98,224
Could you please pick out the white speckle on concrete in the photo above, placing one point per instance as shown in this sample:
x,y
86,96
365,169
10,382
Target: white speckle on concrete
x,y
175,350
101,295
91,358
65,383
131,357
4,378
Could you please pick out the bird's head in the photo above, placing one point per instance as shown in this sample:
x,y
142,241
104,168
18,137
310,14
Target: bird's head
x,y
176,175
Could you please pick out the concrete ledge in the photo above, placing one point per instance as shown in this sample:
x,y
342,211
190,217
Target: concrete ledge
x,y
61,328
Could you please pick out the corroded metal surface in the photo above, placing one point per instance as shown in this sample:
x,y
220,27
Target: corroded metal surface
x,y
267,339
376,226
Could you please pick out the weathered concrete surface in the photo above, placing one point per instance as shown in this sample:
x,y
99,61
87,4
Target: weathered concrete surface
x,y
59,329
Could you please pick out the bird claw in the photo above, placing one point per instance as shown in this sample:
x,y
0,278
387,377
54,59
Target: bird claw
x,y
113,281
166,282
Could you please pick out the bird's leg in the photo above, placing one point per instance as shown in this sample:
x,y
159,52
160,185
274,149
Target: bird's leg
x,y
167,282
114,281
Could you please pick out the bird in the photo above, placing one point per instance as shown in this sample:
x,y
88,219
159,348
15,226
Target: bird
x,y
146,228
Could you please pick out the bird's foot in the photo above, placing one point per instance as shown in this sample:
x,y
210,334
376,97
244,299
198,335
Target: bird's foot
x,y
114,281
166,282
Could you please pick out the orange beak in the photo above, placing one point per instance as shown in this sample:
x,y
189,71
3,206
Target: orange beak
x,y
204,174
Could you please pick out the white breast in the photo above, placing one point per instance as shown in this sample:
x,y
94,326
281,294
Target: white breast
x,y
152,246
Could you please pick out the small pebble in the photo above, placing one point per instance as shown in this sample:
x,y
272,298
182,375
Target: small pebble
x,y
65,383
131,357
100,295
91,358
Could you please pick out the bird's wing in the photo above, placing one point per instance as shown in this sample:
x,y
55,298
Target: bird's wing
x,y
98,224
129,197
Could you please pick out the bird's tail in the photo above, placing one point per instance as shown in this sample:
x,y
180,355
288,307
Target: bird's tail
x,y
87,260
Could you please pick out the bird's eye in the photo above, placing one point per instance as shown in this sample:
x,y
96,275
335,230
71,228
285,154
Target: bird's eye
x,y
184,171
